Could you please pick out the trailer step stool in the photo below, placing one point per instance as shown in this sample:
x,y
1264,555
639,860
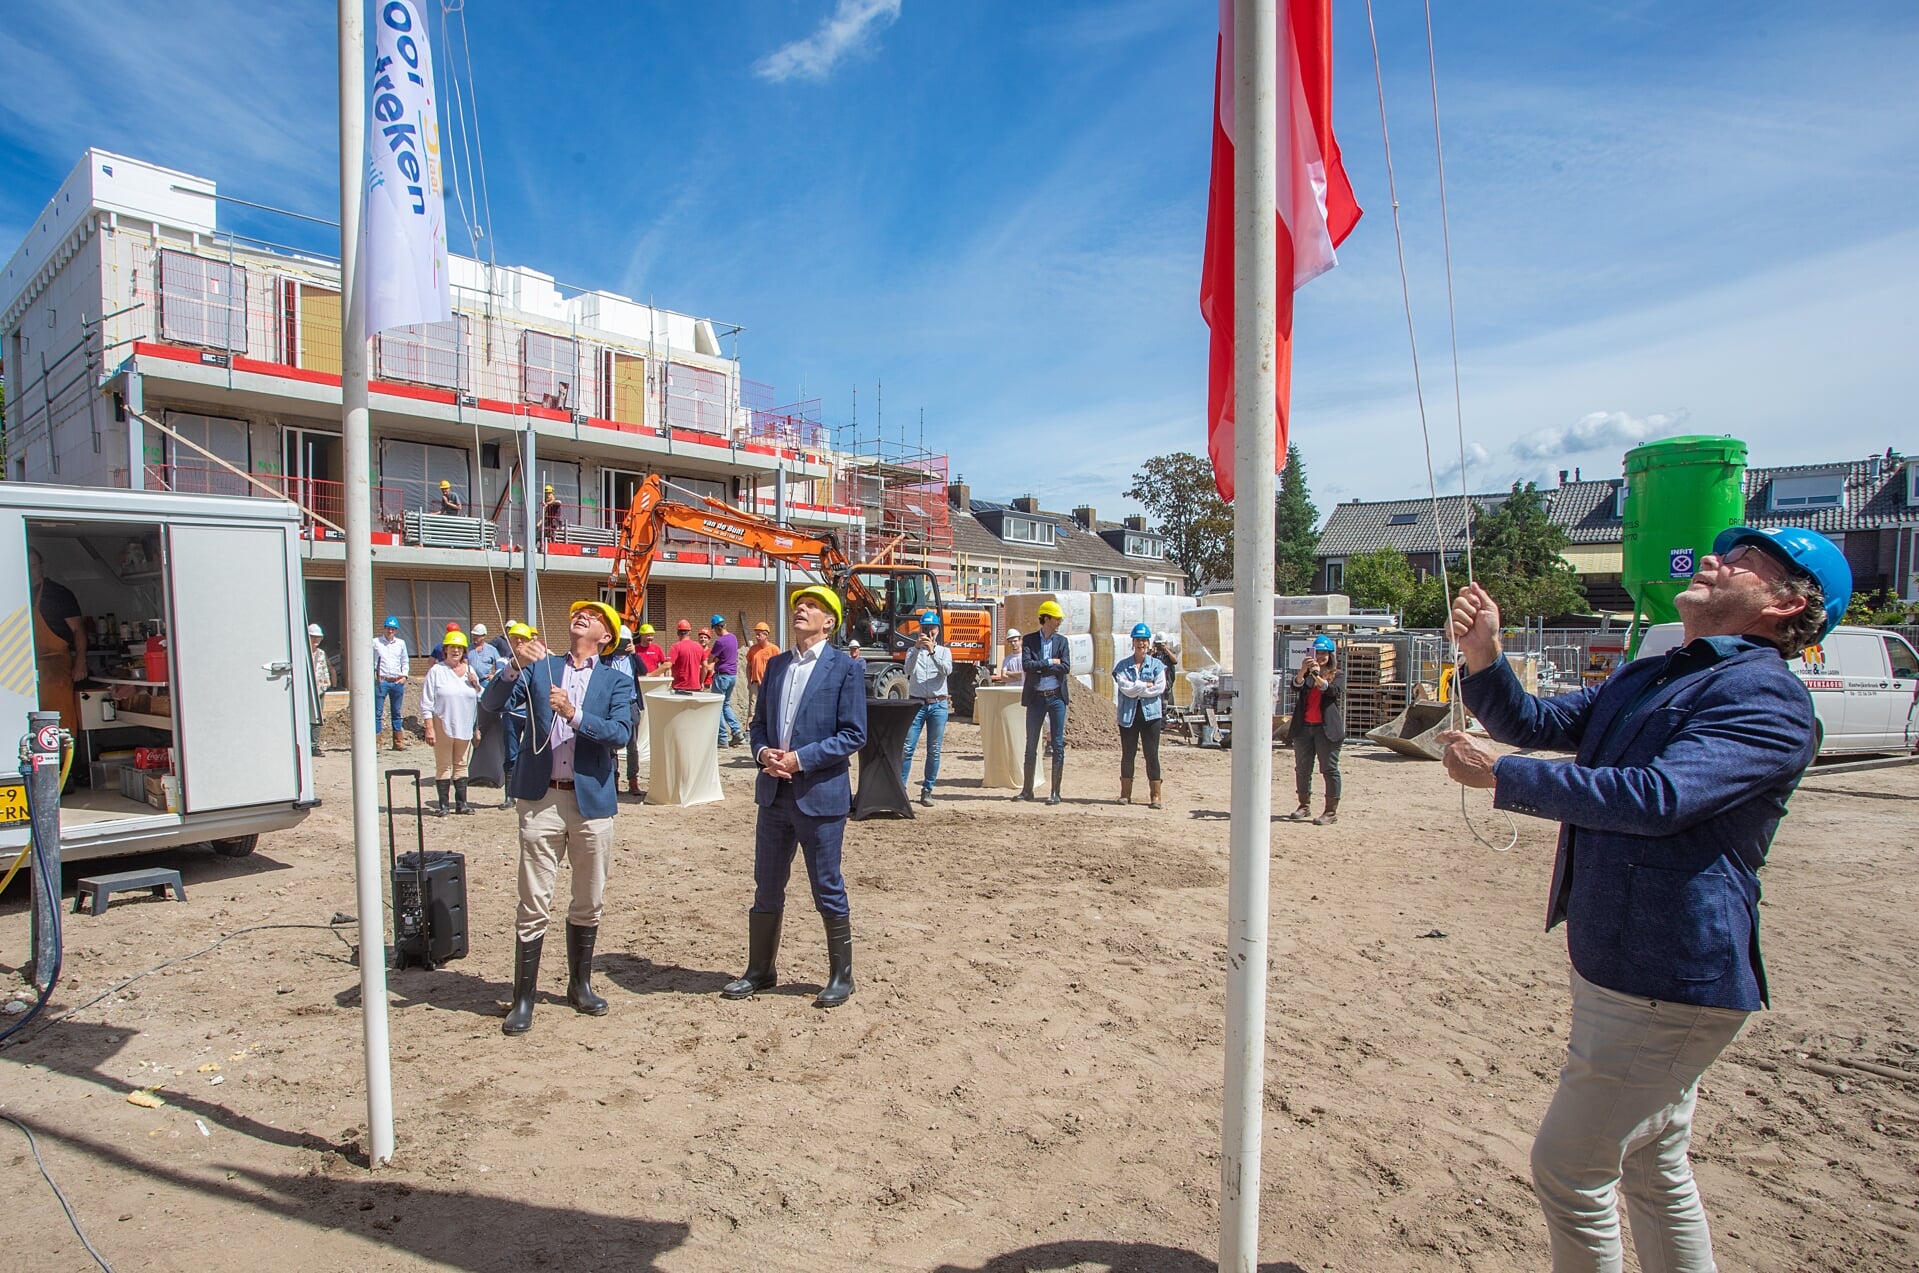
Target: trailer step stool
x,y
102,887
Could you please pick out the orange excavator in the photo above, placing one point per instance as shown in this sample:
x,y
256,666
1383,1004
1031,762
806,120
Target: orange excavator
x,y
883,602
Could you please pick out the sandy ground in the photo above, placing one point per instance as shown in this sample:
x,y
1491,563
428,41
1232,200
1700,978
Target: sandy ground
x,y
1027,1079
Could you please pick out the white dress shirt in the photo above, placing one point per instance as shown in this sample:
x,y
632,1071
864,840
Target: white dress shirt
x,y
798,673
389,657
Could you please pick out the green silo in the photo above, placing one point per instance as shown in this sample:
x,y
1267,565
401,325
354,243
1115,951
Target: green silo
x,y
1680,493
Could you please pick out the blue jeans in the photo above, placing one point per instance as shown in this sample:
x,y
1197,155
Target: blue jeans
x,y
781,828
385,692
729,723
934,710
1038,713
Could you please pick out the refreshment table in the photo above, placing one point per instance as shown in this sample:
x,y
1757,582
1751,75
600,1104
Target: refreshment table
x,y
1002,734
684,733
880,792
647,684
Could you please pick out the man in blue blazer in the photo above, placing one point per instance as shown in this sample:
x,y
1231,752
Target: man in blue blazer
x,y
808,724
1682,768
572,714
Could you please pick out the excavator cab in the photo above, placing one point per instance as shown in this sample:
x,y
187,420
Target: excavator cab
x,y
905,591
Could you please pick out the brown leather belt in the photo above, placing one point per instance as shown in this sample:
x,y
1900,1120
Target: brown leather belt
x,y
559,785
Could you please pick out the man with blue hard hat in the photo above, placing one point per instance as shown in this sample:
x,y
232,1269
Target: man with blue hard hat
x,y
725,658
1683,765
928,665
389,676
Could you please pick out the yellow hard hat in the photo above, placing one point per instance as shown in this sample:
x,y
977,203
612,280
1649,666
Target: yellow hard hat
x,y
457,639
518,629
606,613
823,593
549,490
1051,610
646,629
445,485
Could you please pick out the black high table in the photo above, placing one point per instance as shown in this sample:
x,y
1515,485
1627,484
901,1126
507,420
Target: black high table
x,y
880,792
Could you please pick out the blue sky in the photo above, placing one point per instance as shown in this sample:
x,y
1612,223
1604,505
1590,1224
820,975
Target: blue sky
x,y
1665,217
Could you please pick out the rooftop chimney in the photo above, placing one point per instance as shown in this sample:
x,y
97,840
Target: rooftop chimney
x,y
1136,522
1563,474
1086,516
959,495
1026,504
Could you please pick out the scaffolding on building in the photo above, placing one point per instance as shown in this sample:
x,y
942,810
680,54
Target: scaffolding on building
x,y
899,486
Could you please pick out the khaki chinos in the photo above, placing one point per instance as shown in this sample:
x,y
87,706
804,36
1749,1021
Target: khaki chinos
x,y
551,828
1620,1124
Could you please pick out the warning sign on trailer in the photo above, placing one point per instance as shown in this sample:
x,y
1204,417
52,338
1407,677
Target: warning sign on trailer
x,y
1682,567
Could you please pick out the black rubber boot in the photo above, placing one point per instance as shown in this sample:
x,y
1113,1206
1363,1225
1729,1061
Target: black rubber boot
x,y
460,802
1026,792
762,952
526,983
839,962
1059,771
579,970
444,788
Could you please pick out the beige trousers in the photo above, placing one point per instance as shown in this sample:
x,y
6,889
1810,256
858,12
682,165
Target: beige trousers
x,y
450,755
1619,1128
551,828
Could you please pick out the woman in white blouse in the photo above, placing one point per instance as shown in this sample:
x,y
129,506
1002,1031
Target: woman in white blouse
x,y
450,704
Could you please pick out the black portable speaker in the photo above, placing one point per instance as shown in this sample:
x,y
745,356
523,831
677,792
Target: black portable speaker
x,y
429,891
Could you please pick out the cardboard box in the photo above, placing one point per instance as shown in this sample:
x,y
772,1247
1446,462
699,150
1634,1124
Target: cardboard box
x,y
156,791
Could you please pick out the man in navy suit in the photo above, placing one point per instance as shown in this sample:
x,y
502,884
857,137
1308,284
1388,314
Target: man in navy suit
x,y
808,724
1683,766
573,713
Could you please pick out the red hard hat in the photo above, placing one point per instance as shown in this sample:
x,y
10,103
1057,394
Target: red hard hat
x,y
685,626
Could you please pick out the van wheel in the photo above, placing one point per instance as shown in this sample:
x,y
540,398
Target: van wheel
x,y
965,691
238,847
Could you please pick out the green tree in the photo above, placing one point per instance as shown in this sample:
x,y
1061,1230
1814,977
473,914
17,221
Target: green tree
x,y
1428,605
1295,529
1380,580
1178,493
1517,558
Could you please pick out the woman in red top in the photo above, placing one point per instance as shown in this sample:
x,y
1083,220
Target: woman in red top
x,y
1317,728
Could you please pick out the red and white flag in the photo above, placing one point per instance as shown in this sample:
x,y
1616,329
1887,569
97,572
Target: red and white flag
x,y
1315,204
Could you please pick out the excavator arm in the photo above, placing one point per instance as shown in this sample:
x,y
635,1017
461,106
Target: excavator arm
x,y
652,514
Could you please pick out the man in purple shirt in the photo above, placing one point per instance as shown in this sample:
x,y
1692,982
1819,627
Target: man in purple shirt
x,y
725,659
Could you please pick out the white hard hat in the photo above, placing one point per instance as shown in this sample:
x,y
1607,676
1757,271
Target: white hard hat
x,y
1012,634
626,633
479,629
313,629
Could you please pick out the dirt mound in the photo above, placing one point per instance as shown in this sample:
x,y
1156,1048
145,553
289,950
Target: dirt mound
x,y
1090,721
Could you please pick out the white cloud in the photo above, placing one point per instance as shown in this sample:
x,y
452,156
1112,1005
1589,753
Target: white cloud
x,y
851,25
1598,431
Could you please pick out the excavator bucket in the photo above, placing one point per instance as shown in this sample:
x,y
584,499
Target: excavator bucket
x,y
1415,731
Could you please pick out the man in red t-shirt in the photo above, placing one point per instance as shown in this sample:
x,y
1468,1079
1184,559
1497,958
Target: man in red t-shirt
x,y
649,652
688,658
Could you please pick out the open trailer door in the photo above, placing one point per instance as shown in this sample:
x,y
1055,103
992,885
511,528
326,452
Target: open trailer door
x,y
231,640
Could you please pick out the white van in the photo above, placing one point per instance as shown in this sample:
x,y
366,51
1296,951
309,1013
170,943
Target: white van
x,y
1864,684
194,620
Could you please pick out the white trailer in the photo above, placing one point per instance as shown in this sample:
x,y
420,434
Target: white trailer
x,y
218,578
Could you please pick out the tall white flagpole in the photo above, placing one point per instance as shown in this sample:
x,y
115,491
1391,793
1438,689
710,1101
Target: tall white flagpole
x,y
358,639
1255,53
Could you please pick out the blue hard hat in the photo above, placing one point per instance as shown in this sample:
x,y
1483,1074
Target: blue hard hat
x,y
391,622
1141,632
1806,551
718,621
929,619
1324,644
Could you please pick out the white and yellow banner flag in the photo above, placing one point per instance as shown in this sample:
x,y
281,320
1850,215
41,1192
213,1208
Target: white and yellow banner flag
x,y
405,265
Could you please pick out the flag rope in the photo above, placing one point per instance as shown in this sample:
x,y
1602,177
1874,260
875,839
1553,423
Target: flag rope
x,y
1456,708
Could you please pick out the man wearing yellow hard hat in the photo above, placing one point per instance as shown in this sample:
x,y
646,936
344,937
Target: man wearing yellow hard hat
x,y
808,724
449,502
574,713
552,515
1047,665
